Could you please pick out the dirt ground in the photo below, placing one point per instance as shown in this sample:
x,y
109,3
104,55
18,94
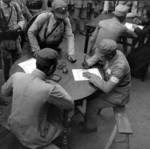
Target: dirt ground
x,y
137,109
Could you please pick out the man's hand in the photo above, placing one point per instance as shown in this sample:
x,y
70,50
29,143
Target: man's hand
x,y
71,58
35,53
94,79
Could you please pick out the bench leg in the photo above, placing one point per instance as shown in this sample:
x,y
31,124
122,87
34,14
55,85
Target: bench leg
x,y
111,138
122,141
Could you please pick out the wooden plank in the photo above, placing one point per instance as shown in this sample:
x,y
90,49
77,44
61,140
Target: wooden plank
x,y
111,138
122,121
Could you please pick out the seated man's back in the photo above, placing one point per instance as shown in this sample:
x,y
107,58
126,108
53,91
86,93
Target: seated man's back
x,y
31,120
29,99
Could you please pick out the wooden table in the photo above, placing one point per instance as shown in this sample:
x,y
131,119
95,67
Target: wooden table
x,y
78,90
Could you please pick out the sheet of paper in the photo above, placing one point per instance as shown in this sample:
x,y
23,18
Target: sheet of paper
x,y
130,26
29,65
78,73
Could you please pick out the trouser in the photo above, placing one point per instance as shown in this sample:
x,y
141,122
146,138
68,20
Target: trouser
x,y
94,104
80,18
9,140
10,51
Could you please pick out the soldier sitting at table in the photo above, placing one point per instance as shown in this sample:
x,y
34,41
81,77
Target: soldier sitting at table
x,y
37,105
49,29
112,28
114,86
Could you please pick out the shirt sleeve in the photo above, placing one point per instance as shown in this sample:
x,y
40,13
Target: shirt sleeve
x,y
117,74
70,37
21,19
34,30
59,97
7,87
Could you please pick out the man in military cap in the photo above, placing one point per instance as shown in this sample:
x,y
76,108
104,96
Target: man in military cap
x,y
37,103
112,28
114,86
49,29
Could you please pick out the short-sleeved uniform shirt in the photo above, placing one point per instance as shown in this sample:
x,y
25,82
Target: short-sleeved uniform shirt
x,y
118,70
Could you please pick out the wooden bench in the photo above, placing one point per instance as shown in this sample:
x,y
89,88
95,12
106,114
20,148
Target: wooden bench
x,y
121,131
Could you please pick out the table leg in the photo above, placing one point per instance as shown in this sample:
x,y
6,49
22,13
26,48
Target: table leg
x,y
67,119
87,35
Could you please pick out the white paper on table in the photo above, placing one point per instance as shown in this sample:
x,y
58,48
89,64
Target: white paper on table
x,y
29,65
130,26
78,73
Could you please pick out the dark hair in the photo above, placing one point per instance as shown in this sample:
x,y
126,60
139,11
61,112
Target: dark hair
x,y
110,55
45,67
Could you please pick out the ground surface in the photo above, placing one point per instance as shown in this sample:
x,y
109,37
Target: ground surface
x,y
138,112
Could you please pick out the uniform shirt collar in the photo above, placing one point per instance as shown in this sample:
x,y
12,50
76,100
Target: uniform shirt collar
x,y
39,74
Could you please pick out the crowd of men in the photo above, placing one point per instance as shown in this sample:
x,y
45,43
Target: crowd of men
x,y
38,104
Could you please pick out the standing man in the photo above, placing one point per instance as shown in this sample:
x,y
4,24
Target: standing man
x,y
37,104
114,86
49,29
112,28
12,23
25,11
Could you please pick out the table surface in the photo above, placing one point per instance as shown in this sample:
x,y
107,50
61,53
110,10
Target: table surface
x,y
77,89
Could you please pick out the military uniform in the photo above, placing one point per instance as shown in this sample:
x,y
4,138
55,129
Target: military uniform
x,y
33,119
116,70
47,32
10,46
109,28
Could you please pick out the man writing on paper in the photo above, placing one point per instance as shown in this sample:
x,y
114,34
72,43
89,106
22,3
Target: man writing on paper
x,y
115,83
37,104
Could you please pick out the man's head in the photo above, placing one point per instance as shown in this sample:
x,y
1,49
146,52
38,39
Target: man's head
x,y
7,1
106,49
47,61
59,7
121,12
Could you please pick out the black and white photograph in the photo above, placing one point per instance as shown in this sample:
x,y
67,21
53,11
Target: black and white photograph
x,y
74,74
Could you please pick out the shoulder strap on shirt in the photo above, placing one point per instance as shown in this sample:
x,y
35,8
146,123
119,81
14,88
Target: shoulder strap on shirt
x,y
56,25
